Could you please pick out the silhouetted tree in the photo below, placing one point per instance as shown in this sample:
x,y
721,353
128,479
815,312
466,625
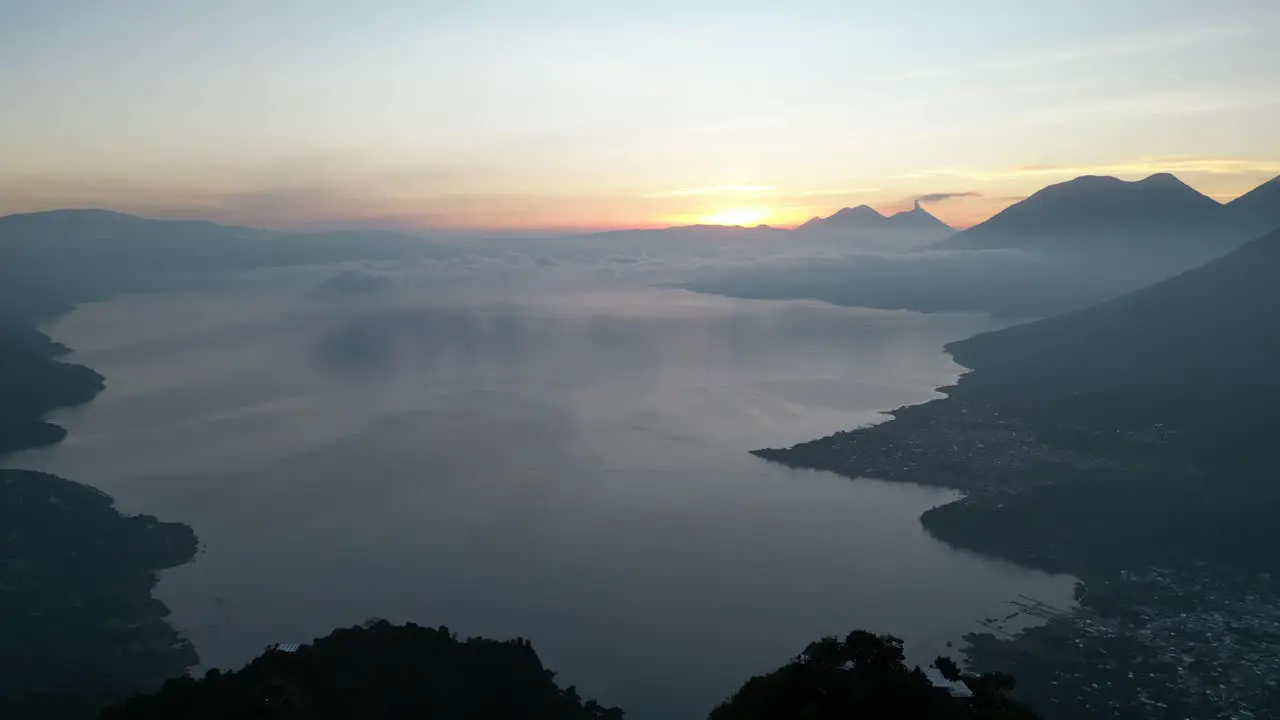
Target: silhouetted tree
x,y
948,668
865,677
376,671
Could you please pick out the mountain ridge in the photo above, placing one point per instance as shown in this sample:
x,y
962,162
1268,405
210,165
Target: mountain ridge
x,y
1258,211
865,217
1095,215
1203,323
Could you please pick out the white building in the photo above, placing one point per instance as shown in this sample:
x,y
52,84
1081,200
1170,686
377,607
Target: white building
x,y
957,688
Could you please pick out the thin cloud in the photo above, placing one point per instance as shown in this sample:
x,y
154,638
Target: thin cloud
x,y
713,190
929,198
1192,165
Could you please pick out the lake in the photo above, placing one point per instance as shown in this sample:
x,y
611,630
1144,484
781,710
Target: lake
x,y
567,464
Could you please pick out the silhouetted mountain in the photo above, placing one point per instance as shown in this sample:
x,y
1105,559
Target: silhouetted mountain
x,y
1258,211
104,236
1159,220
110,231
1212,329
919,219
866,218
865,228
862,217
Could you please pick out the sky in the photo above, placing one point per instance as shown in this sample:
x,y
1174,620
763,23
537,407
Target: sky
x,y
595,114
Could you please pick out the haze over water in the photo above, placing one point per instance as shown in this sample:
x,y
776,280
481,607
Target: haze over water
x,y
568,465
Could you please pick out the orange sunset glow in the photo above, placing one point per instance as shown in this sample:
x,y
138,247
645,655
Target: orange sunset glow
x,y
371,131
737,216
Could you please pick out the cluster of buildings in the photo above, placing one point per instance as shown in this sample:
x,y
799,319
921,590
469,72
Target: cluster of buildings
x,y
1178,646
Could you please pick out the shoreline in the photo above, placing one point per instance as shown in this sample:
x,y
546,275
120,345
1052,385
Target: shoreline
x,y
37,380
81,573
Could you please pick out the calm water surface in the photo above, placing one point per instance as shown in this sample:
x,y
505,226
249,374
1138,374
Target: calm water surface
x,y
569,467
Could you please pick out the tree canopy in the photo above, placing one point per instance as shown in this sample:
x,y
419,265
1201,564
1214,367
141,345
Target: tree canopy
x,y
376,671
865,677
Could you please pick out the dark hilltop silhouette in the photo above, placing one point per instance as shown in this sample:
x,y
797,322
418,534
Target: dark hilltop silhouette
x,y
866,676
376,671
1214,330
1257,211
1159,221
381,671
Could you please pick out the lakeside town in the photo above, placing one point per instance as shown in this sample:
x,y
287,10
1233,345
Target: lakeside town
x,y
1158,644
965,443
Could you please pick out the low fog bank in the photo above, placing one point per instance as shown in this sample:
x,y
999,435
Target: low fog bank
x,y
56,260
51,261
513,266
1013,284
765,263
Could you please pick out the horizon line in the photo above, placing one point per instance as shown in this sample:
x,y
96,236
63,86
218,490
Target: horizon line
x,y
407,224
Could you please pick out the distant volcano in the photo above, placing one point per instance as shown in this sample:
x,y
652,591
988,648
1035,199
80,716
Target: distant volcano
x,y
866,218
1100,216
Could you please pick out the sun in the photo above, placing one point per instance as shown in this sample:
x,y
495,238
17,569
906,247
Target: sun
x,y
736,216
